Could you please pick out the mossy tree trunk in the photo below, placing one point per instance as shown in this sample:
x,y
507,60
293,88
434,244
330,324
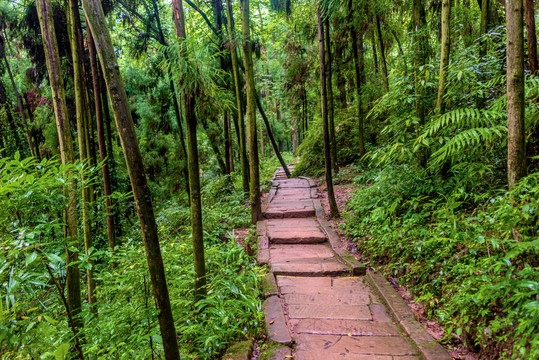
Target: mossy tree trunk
x,y
254,186
516,149
531,37
67,154
81,109
141,192
239,100
334,211
444,57
382,50
103,153
188,101
357,51
331,105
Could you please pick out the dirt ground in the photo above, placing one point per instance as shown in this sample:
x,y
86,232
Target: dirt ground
x,y
343,192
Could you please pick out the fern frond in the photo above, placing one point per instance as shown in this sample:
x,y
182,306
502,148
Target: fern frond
x,y
475,137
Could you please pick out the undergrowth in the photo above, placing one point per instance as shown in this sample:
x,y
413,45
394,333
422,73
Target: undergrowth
x,y
471,260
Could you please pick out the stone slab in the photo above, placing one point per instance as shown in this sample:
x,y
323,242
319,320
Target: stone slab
x,y
283,253
343,327
310,268
324,355
329,311
275,321
337,299
354,345
284,353
379,313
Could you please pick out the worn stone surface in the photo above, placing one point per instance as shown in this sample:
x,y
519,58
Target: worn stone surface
x,y
283,353
275,321
359,345
323,302
343,327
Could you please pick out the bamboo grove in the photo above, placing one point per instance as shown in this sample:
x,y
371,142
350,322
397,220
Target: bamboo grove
x,y
137,136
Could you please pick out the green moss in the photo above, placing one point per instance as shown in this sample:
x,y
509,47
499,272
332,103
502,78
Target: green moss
x,y
239,351
269,350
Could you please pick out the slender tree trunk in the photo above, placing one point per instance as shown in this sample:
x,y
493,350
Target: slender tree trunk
x,y
67,153
141,192
401,52
177,112
357,50
111,234
374,55
11,122
421,56
331,107
270,135
256,209
81,108
230,142
484,25
237,86
531,37
516,149
261,132
214,145
19,99
382,54
444,57
194,173
334,211
227,144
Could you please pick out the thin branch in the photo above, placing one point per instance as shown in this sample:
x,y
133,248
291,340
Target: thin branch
x,y
190,3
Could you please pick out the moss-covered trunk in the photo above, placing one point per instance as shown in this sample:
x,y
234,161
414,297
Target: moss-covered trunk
x,y
188,101
254,185
331,106
516,150
334,211
444,56
141,192
67,153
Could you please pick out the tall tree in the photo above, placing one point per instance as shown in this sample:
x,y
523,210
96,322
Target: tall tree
x,y
484,25
331,106
239,99
357,51
421,56
67,154
254,186
516,149
81,109
141,192
103,153
531,37
444,57
382,50
188,101
334,211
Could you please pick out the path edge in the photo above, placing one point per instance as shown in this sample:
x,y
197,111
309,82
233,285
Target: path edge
x,y
429,348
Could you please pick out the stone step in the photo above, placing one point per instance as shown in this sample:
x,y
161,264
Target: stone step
x,y
294,231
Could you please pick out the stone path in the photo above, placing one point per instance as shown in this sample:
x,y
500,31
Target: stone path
x,y
318,301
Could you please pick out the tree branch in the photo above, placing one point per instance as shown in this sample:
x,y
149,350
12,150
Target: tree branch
x,y
191,4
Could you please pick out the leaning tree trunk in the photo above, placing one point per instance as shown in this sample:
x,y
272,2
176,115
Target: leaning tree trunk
x,y
334,211
135,166
357,50
188,101
65,139
271,137
81,109
444,57
331,108
237,87
256,208
111,234
516,150
382,54
531,37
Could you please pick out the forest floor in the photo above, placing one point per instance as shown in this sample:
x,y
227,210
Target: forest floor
x,y
344,189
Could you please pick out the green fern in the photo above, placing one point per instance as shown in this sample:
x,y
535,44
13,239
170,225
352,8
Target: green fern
x,y
477,137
